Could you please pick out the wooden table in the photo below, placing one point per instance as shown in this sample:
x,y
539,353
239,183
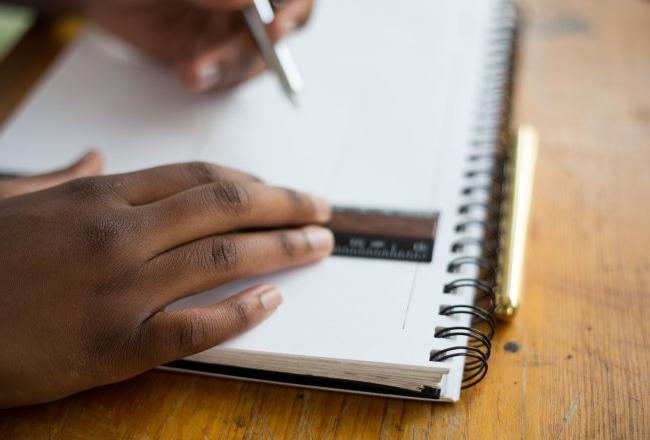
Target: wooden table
x,y
583,364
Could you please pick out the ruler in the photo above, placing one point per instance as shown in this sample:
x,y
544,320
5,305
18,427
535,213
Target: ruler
x,y
384,234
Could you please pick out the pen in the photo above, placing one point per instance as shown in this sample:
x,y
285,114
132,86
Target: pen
x,y
513,245
277,55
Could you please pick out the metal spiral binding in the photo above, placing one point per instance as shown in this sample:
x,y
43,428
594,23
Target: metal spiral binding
x,y
492,130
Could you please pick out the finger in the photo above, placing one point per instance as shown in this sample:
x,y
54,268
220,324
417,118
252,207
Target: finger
x,y
90,164
228,206
206,263
290,17
231,62
167,336
253,68
147,186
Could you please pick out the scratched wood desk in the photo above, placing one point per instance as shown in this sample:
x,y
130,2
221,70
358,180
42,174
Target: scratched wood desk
x,y
575,363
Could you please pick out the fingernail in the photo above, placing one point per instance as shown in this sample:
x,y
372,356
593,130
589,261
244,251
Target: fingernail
x,y
323,209
320,239
209,74
270,299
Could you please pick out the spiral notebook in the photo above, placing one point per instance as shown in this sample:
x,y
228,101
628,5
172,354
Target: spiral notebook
x,y
403,124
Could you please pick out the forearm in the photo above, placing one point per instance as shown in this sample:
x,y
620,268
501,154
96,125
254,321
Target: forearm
x,y
50,6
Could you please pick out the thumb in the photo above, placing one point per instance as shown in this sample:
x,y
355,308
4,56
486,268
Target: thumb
x,y
90,164
168,336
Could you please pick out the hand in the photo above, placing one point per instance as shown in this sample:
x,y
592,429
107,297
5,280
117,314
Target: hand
x,y
89,266
207,41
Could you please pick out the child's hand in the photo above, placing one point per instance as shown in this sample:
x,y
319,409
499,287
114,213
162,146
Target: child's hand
x,y
87,268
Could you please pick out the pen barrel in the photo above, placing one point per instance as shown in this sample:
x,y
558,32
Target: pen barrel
x,y
518,188
276,54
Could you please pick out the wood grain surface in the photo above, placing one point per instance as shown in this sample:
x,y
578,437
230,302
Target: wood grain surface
x,y
574,364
